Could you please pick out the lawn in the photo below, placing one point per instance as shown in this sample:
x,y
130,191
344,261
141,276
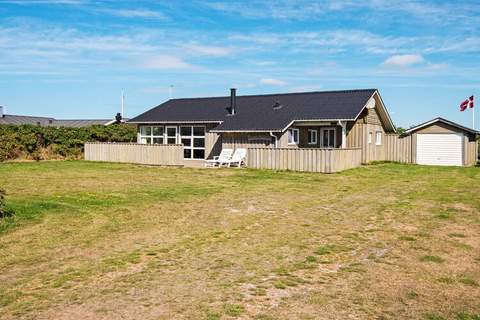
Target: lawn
x,y
114,241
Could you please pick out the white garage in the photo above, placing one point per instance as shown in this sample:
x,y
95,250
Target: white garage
x,y
441,149
444,143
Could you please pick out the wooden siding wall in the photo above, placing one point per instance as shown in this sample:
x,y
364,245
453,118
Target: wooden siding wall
x,y
471,152
282,141
158,154
372,117
246,140
308,160
357,137
393,147
213,143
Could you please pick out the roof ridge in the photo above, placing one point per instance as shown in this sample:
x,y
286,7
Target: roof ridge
x,y
439,118
81,119
276,94
18,115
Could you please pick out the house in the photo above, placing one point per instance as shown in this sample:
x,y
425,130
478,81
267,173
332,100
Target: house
x,y
443,142
51,122
324,119
324,131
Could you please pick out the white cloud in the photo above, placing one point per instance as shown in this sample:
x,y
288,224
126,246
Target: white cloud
x,y
330,41
267,39
261,63
403,60
165,62
272,82
135,13
426,12
208,50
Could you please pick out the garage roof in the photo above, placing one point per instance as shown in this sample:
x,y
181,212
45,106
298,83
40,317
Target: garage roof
x,y
439,119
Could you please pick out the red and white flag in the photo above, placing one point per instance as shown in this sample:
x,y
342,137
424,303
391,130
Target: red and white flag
x,y
468,103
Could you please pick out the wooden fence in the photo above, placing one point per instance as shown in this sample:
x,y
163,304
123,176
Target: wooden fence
x,y
398,148
309,160
162,155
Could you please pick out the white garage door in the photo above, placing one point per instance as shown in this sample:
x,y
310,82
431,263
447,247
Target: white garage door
x,y
445,149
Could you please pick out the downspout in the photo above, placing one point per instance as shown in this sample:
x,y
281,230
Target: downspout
x,y
344,133
274,137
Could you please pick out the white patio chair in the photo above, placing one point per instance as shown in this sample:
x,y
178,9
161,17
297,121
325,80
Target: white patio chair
x,y
225,155
238,159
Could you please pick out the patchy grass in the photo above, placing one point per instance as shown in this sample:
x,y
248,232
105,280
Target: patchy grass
x,y
103,241
468,281
433,316
233,309
430,258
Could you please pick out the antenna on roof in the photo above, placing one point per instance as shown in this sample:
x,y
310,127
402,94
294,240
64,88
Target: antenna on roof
x,y
123,98
170,91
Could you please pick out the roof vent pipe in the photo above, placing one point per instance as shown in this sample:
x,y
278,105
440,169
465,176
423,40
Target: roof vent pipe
x,y
233,100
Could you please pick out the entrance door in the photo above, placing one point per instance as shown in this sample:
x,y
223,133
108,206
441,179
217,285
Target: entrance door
x,y
171,135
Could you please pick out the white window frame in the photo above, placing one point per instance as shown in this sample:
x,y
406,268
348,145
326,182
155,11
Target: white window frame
x,y
334,136
151,136
291,133
166,134
315,135
369,137
192,137
378,138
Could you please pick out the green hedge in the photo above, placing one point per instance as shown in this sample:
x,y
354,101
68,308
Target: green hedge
x,y
35,142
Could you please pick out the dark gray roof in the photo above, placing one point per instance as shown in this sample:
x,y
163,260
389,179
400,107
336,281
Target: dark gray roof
x,y
439,119
18,120
80,123
45,121
257,112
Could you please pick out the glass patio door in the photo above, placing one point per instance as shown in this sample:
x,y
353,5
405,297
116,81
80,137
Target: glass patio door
x,y
328,137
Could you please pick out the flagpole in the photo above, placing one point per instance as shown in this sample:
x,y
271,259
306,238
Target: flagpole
x,y
473,115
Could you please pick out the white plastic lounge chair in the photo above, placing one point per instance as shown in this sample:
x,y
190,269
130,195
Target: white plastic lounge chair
x,y
237,159
225,155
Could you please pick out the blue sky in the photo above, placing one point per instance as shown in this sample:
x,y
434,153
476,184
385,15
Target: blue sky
x,y
72,58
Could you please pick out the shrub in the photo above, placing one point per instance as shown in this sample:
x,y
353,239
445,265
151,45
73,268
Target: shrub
x,y
35,142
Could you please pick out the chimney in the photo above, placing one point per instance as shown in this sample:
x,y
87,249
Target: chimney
x,y
1,112
233,100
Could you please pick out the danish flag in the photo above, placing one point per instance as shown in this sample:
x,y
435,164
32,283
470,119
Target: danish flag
x,y
468,103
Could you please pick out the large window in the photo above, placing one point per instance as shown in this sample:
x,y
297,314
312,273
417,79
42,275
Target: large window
x,y
151,135
328,137
193,140
293,136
